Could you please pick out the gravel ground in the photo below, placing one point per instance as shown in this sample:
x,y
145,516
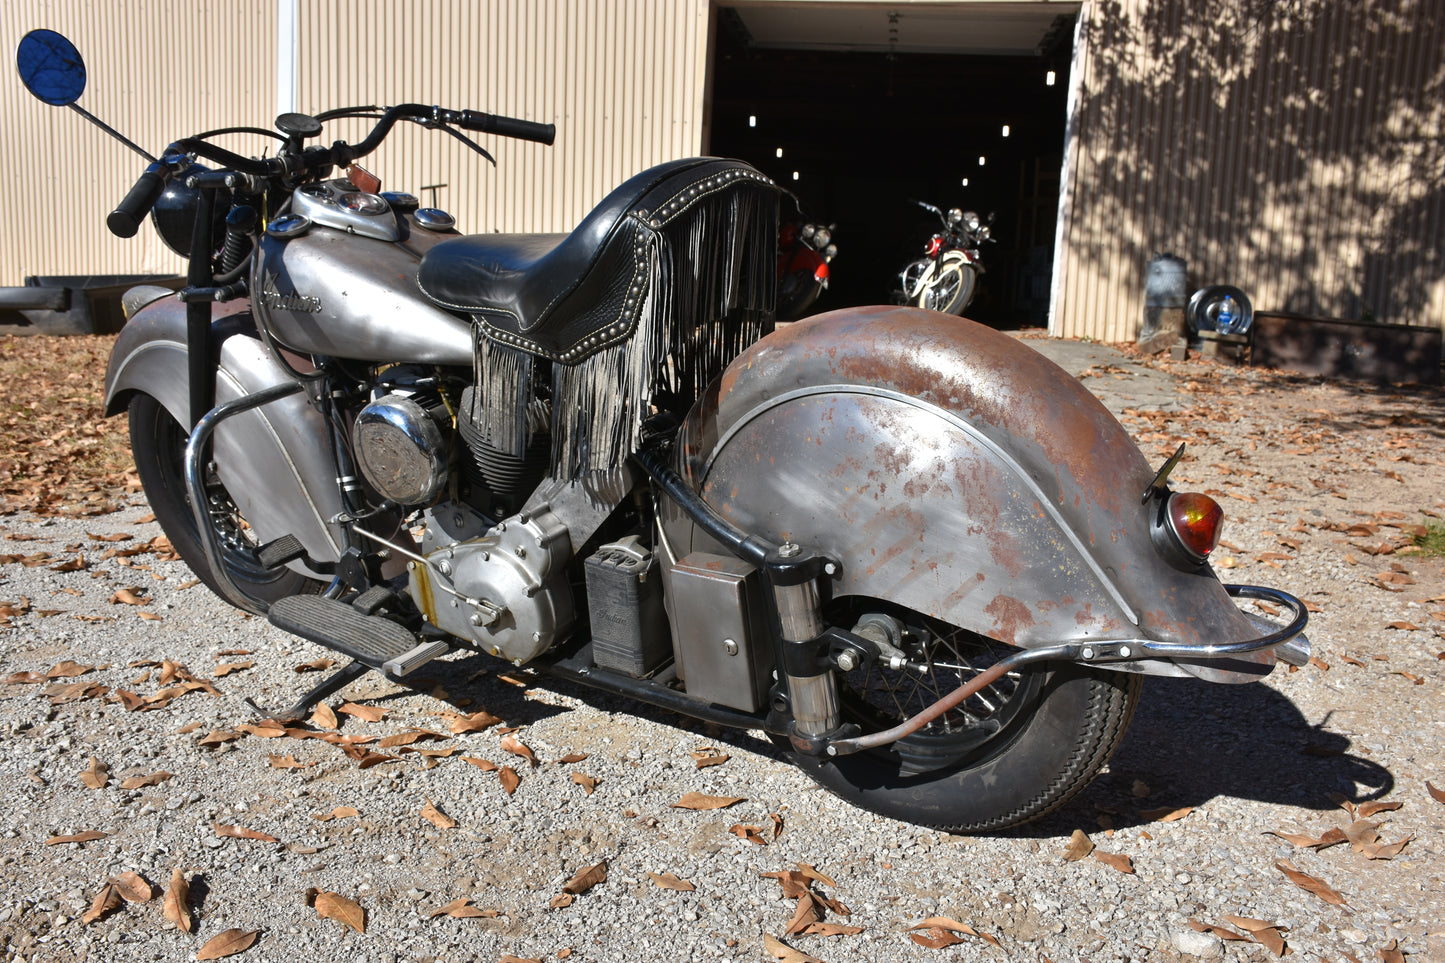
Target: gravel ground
x,y
1323,483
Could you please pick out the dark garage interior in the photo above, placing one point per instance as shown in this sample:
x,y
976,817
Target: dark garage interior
x,y
868,122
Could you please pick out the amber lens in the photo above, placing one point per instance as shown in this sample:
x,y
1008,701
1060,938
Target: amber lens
x,y
1197,520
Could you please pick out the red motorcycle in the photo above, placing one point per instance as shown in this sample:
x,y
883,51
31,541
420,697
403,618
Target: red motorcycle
x,y
804,252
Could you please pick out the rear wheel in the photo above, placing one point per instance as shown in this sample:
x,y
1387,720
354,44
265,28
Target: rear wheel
x,y
158,443
1018,749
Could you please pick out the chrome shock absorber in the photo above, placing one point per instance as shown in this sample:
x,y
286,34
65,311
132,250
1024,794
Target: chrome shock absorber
x,y
812,688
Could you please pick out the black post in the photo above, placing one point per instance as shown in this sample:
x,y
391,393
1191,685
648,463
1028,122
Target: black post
x,y
198,313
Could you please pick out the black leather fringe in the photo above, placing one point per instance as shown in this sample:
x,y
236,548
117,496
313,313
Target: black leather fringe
x,y
710,276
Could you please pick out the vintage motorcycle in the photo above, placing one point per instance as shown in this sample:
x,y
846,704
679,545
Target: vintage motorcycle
x,y
909,548
804,253
946,278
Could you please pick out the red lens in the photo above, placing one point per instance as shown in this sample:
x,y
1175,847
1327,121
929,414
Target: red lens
x,y
1196,520
933,246
821,273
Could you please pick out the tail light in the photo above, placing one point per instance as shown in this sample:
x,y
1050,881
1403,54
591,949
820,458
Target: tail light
x,y
935,244
1186,527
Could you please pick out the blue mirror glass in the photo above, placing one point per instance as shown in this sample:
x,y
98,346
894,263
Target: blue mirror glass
x,y
50,67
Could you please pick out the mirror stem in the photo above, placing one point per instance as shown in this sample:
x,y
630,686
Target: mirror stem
x,y
110,130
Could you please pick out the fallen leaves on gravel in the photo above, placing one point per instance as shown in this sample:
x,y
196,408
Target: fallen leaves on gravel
x,y
516,748
1079,846
128,887
461,909
334,906
96,775
368,713
90,835
585,781
1311,884
940,932
671,881
1435,793
241,832
340,812
708,756
585,879
178,895
784,953
1117,860
436,817
227,943
702,801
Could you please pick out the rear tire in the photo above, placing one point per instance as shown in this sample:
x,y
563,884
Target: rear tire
x,y
158,443
1022,752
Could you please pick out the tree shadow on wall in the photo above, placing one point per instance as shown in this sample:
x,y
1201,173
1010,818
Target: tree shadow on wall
x,y
1289,143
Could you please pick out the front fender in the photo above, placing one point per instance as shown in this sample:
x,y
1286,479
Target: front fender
x,y
275,461
952,469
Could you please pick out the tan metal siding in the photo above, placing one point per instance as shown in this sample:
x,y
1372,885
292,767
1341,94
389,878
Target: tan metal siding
x,y
154,75
621,79
1299,154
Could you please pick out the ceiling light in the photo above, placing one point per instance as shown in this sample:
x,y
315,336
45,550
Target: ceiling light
x,y
1049,79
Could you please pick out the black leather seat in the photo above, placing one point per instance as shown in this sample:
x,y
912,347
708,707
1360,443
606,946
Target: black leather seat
x,y
565,296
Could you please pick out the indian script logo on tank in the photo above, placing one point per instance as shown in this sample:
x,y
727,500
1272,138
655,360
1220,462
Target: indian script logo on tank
x,y
294,301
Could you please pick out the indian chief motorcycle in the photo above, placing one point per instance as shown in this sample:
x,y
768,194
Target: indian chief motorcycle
x,y
914,552
804,253
946,277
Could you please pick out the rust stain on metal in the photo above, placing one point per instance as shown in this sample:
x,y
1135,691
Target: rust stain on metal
x,y
1010,617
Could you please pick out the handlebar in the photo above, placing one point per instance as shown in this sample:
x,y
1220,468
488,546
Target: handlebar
x,y
125,220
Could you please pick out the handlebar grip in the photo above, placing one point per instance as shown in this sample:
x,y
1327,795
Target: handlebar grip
x,y
509,127
126,219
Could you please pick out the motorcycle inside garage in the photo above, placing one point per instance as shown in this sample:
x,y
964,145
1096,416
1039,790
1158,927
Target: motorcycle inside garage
x,y
861,109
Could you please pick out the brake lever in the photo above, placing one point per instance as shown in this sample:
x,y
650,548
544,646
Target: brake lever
x,y
437,125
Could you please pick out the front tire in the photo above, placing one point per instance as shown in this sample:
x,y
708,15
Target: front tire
x,y
951,289
1022,750
158,443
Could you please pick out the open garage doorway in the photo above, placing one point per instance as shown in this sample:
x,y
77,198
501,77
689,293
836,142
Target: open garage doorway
x,y
859,108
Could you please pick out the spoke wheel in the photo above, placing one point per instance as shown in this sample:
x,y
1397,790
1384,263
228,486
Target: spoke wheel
x,y
159,444
1016,750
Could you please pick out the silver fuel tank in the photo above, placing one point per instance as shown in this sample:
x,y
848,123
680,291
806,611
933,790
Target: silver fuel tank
x,y
338,278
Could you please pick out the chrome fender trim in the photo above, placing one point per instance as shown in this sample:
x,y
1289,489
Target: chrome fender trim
x,y
275,461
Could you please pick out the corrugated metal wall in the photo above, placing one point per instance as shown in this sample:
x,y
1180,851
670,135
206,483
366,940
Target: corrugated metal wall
x,y
156,72
623,80
1295,148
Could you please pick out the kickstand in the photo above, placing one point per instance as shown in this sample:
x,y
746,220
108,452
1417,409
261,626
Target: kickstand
x,y
338,680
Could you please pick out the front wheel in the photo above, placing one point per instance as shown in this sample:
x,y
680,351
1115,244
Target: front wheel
x,y
1017,750
951,289
158,443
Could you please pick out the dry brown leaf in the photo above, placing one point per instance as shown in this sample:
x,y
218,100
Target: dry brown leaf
x,y
585,781
436,817
90,835
1166,814
367,713
942,932
218,737
482,764
226,668
1391,953
288,762
586,879
572,757
516,748
753,834
1117,860
323,717
1374,850
1311,884
178,895
1079,846
708,756
241,832
132,887
107,900
68,670
476,722
408,737
672,882
1330,837
1223,932
809,871
462,909
127,596
96,775
1435,793
561,901
510,779
698,800
784,953
809,910
227,943
154,779
340,812
333,906
24,678
315,665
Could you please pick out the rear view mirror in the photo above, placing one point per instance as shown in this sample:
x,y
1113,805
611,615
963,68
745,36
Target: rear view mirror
x,y
50,67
